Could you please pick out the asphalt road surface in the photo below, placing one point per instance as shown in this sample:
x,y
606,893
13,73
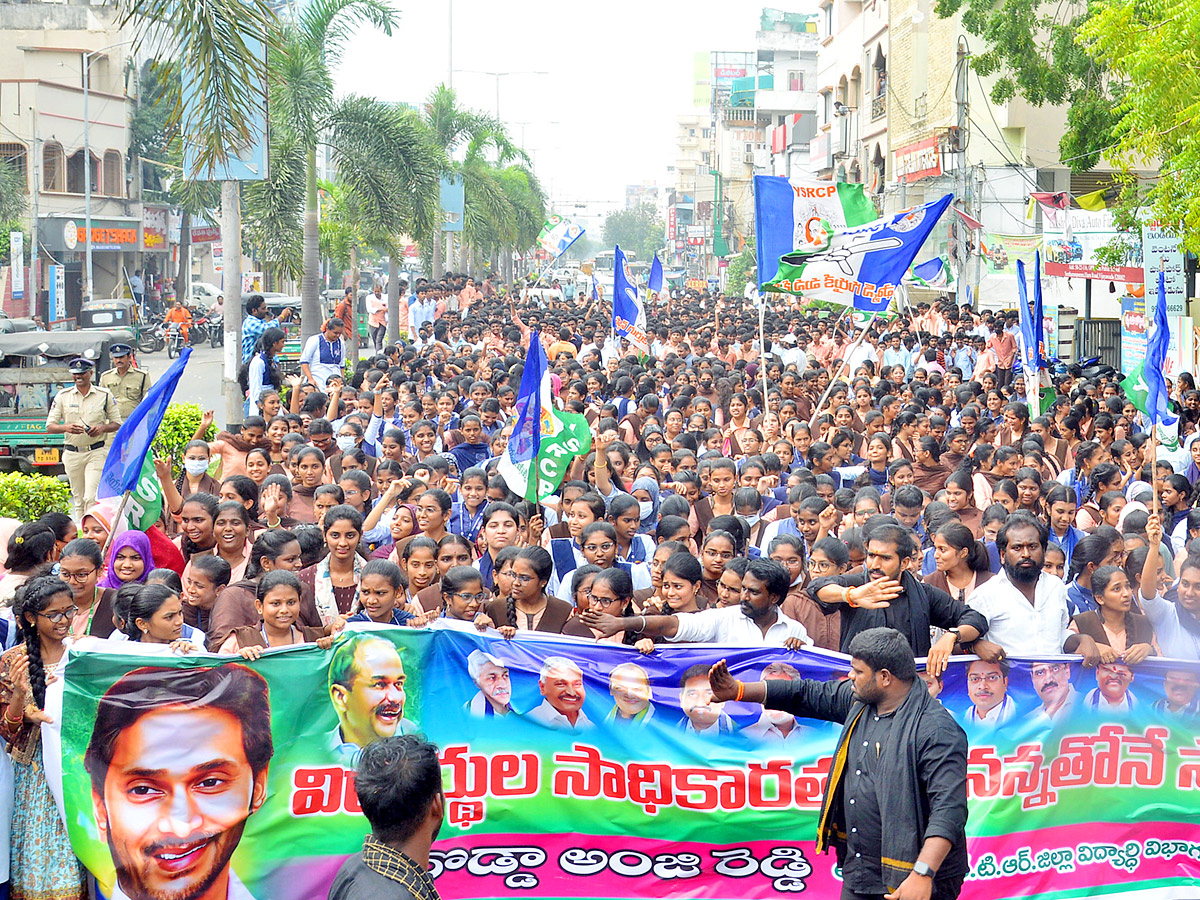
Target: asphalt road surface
x,y
201,382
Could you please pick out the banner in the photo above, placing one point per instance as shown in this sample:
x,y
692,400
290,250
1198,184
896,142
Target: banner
x,y
1001,252
1074,239
584,770
16,254
858,267
1162,251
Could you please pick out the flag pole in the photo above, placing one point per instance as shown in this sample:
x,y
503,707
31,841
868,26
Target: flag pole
x,y
833,378
112,532
762,349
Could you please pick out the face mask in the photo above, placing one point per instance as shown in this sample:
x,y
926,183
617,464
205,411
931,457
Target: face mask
x,y
645,508
195,467
751,520
345,442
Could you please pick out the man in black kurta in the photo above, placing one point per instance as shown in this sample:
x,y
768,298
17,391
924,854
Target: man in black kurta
x,y
895,804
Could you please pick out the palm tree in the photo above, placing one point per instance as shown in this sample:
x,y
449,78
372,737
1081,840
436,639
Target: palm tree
x,y
455,127
303,104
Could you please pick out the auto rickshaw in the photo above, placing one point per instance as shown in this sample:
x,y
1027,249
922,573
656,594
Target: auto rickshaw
x,y
118,312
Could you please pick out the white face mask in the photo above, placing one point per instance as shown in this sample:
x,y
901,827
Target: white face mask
x,y
195,467
752,520
345,442
646,508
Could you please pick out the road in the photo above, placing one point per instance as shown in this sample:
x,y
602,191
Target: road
x,y
201,382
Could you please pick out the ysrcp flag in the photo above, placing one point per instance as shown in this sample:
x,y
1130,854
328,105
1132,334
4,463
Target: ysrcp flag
x,y
544,441
787,209
629,313
861,266
934,273
558,234
655,283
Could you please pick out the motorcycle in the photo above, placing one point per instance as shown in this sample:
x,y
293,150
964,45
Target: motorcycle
x,y
216,330
198,333
174,338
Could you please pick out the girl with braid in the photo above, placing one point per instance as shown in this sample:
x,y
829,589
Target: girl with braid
x,y
528,607
43,865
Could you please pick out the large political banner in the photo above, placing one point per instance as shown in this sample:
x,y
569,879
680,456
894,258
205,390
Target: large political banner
x,y
586,770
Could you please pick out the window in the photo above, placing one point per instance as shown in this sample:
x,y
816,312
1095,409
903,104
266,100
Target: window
x,y
114,174
14,154
827,20
795,81
54,168
75,174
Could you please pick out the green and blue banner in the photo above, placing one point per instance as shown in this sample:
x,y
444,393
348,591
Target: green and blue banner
x,y
576,769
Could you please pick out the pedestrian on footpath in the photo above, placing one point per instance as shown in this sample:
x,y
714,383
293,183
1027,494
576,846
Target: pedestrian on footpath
x,y
901,760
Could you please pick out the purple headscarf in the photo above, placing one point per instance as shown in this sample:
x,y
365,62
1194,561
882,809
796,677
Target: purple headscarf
x,y
136,540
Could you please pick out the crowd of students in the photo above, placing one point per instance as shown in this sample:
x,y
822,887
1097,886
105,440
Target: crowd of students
x,y
792,492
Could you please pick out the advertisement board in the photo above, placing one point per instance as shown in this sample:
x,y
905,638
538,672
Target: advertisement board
x,y
1074,238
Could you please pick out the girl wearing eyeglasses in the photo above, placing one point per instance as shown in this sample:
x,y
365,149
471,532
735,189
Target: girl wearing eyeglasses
x,y
80,566
463,596
528,607
43,863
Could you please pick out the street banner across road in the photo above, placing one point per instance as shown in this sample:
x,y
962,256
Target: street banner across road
x,y
1078,779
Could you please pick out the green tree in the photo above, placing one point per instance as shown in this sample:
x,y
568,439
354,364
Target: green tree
x,y
1152,49
12,193
1032,47
638,230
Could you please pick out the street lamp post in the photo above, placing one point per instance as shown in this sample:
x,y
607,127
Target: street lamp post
x,y
87,162
498,76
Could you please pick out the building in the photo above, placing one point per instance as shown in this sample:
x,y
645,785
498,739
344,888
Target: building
x,y
42,130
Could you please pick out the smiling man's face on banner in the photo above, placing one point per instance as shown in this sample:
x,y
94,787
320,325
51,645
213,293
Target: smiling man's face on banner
x,y
173,811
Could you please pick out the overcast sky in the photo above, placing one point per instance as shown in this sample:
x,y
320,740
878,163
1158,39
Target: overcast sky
x,y
620,72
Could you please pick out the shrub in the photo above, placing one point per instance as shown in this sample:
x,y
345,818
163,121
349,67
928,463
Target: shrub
x,y
177,428
28,497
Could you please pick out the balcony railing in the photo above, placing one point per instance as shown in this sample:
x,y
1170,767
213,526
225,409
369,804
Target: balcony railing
x,y
878,107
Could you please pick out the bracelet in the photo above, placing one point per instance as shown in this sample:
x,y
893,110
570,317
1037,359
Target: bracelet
x,y
14,722
643,628
741,692
846,598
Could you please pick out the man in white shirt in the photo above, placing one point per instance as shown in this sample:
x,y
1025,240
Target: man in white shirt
x,y
756,621
1111,693
324,354
987,686
775,726
561,684
1052,684
1026,609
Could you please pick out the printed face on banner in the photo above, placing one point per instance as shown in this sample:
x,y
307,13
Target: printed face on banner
x,y
172,812
367,691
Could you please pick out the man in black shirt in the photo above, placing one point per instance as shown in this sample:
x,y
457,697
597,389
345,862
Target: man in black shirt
x,y
901,759
399,784
888,595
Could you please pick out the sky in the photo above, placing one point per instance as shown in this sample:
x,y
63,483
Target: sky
x,y
619,75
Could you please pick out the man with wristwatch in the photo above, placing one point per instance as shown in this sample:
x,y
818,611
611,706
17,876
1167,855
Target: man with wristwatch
x,y
895,804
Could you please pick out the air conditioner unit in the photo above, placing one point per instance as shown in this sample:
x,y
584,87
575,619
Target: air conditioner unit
x,y
839,145
748,158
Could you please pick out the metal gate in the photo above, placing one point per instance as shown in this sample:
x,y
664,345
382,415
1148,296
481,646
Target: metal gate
x,y
1102,338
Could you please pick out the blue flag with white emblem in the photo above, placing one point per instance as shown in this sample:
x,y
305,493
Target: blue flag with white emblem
x,y
1157,395
629,313
858,266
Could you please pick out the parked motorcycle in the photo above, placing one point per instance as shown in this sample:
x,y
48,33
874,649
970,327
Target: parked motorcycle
x,y
199,331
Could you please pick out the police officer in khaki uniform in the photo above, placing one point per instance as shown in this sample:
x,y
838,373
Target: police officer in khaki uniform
x,y
126,383
84,414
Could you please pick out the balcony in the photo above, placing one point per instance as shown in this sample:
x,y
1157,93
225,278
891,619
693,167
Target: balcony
x,y
878,107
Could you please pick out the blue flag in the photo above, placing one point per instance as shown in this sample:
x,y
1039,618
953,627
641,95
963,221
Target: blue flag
x,y
629,315
1156,358
858,267
595,289
123,467
655,283
1030,356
